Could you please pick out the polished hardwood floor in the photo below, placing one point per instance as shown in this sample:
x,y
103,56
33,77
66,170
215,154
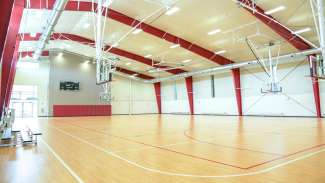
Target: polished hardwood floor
x,y
169,148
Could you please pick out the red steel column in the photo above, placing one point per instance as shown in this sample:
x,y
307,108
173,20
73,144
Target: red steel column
x,y
189,88
5,12
158,95
315,89
237,86
9,48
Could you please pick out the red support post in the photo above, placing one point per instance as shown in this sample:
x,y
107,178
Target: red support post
x,y
189,88
5,12
9,48
158,96
237,86
315,88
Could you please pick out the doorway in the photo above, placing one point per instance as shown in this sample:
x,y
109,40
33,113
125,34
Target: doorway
x,y
24,101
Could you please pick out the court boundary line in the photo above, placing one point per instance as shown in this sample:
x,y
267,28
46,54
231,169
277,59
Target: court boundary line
x,y
230,147
283,156
163,148
190,175
209,160
62,162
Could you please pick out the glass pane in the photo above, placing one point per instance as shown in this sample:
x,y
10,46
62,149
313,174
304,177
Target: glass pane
x,y
27,109
18,109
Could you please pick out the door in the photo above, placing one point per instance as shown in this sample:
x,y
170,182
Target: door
x,y
24,101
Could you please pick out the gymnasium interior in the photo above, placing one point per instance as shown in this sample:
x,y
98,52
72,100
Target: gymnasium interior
x,y
162,91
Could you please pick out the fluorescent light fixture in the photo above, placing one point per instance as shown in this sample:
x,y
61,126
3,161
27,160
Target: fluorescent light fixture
x,y
302,30
148,56
134,75
152,70
137,31
214,32
172,10
115,45
187,60
220,52
175,46
106,4
274,10
128,63
86,25
27,65
33,34
67,45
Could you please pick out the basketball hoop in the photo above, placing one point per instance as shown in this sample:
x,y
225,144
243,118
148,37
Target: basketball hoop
x,y
270,68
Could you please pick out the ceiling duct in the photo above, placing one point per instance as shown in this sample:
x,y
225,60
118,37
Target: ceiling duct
x,y
51,22
283,58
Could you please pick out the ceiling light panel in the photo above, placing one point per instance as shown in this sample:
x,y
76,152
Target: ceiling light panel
x,y
174,46
213,32
187,60
172,10
220,52
302,30
274,10
137,31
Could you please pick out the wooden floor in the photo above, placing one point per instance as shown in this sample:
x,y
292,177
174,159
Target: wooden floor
x,y
170,149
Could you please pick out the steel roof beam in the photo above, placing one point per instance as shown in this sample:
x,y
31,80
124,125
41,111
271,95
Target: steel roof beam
x,y
117,51
122,18
275,25
119,69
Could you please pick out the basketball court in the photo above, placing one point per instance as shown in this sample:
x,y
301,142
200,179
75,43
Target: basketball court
x,y
119,91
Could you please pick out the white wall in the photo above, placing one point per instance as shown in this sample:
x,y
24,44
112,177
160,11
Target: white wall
x,y
132,97
129,97
224,101
72,68
37,77
174,97
296,100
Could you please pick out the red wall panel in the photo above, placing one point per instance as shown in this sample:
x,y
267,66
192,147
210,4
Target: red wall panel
x,y
81,110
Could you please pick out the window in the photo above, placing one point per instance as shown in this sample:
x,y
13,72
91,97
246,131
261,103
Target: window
x,y
27,65
213,92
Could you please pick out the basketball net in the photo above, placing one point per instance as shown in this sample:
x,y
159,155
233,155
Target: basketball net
x,y
104,67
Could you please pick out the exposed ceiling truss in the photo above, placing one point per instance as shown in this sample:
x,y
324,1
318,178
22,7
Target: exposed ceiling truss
x,y
124,19
116,51
131,74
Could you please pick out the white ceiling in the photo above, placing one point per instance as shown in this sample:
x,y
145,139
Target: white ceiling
x,y
194,20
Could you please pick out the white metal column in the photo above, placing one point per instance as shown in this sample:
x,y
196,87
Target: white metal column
x,y
320,13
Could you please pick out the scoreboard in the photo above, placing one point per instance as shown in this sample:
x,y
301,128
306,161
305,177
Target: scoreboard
x,y
69,85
